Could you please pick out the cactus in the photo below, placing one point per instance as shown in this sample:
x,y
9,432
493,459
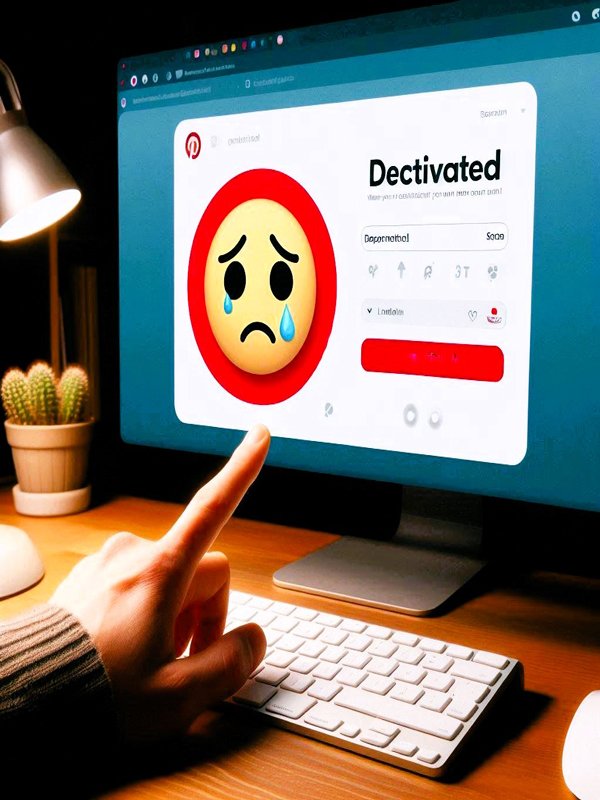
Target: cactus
x,y
43,395
37,398
73,394
15,397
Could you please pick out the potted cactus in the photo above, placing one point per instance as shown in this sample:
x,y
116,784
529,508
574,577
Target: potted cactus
x,y
49,429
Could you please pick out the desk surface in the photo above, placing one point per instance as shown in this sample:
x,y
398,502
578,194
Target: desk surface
x,y
550,622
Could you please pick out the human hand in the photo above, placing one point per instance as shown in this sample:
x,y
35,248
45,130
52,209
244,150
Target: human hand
x,y
143,601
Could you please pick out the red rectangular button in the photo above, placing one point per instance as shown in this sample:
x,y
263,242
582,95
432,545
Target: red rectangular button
x,y
474,362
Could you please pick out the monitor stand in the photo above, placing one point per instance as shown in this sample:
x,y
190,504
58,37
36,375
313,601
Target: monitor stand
x,y
435,552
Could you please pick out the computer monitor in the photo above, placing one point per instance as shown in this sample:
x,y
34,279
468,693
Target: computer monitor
x,y
378,236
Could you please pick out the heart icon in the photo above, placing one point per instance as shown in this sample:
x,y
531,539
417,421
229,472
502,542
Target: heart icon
x,y
472,315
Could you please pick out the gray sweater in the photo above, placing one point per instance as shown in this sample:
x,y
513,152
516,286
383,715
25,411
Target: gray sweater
x,y
57,715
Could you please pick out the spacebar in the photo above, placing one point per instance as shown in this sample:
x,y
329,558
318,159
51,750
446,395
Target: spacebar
x,y
401,713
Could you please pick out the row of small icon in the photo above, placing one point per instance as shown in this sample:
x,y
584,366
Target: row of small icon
x,y
576,15
234,47
410,415
245,45
461,271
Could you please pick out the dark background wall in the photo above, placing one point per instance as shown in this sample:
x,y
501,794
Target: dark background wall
x,y
65,66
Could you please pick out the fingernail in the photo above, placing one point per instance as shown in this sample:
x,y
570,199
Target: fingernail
x,y
254,648
256,434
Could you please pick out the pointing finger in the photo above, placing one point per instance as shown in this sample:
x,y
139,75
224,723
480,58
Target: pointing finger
x,y
211,507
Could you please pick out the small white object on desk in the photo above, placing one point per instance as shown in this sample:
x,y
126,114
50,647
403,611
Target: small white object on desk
x,y
581,751
20,562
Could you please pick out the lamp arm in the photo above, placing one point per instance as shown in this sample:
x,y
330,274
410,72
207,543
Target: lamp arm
x,y
13,90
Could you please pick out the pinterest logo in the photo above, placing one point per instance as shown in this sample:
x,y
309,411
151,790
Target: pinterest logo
x,y
192,145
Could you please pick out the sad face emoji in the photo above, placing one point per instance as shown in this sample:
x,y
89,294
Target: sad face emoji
x,y
261,286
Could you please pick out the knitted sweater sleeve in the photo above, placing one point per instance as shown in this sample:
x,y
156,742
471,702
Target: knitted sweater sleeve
x,y
56,705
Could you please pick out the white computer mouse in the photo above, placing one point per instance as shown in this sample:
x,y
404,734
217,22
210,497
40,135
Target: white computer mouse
x,y
581,751
20,562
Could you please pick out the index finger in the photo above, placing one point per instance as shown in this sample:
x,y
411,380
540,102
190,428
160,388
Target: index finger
x,y
212,505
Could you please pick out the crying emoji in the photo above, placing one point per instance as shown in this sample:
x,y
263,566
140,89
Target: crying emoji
x,y
260,286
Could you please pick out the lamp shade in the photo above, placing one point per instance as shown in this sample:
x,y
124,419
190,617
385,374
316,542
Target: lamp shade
x,y
36,189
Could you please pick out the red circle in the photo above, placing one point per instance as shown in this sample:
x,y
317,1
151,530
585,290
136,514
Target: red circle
x,y
265,184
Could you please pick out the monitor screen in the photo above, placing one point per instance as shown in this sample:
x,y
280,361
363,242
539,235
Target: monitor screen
x,y
376,236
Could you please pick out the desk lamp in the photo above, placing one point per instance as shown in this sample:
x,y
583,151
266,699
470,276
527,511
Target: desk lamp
x,y
36,190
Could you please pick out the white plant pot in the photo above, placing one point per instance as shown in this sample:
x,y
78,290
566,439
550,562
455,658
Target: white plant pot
x,y
52,461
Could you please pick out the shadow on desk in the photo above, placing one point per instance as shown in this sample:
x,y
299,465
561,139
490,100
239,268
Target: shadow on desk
x,y
504,724
224,734
218,735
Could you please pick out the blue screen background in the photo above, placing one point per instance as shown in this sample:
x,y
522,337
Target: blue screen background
x,y
562,464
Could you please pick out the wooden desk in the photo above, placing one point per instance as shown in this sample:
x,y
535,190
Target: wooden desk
x,y
550,622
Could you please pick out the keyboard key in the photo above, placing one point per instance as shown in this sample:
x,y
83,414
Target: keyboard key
x,y
458,651
491,659
475,672
242,613
381,666
296,682
326,671
323,719
432,645
409,655
283,608
280,658
254,694
437,662
438,681
357,642
428,756
375,738
311,649
350,676
378,632
380,733
409,673
383,648
407,693
404,748
290,642
330,620
290,704
239,597
384,727
264,618
420,719
469,690
324,690
334,636
308,630
355,659
349,730
333,654
353,625
436,701
284,624
306,614
304,664
461,709
272,675
377,683
272,637
401,637
261,603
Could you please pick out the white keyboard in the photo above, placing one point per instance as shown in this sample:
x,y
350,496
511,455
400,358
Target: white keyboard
x,y
408,700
